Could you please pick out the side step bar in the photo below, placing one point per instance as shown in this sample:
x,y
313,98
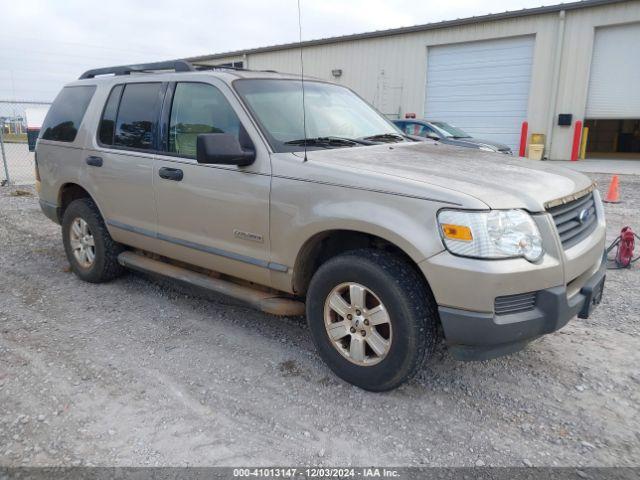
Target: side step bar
x,y
265,301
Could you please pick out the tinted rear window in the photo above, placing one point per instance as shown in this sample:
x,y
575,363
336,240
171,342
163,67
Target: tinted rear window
x,y
137,116
66,113
108,121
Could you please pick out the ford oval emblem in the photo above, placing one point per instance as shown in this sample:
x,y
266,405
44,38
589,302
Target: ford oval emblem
x,y
584,215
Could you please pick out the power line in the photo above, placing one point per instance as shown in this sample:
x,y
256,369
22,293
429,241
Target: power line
x,y
82,44
38,71
84,65
28,102
65,54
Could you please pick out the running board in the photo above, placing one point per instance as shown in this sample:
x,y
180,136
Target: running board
x,y
259,299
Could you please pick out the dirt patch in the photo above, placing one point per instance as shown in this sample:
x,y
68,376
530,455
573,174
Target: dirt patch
x,y
20,193
290,368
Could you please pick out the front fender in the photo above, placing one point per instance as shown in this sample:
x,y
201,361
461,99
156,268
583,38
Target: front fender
x,y
298,215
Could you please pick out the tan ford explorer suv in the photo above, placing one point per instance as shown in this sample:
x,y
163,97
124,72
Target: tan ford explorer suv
x,y
217,179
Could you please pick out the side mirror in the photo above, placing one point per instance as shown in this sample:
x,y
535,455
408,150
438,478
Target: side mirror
x,y
432,136
222,148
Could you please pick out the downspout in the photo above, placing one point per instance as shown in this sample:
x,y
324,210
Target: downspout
x,y
554,82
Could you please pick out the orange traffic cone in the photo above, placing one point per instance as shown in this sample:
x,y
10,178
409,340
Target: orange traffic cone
x,y
613,195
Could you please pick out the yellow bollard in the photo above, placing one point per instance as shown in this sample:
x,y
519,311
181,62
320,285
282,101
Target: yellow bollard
x,y
583,144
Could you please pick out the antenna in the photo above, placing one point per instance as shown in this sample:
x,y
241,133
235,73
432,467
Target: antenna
x,y
304,112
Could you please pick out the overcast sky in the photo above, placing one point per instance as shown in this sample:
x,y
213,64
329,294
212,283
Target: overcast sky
x,y
48,43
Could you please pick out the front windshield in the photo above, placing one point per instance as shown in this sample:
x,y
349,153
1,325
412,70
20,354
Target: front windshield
x,y
332,111
450,131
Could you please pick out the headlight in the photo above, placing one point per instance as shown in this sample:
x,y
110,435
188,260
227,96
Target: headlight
x,y
493,234
486,148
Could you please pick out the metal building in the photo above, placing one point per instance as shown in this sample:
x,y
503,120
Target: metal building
x,y
557,68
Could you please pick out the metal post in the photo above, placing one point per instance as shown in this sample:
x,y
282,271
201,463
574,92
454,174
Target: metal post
x,y
4,156
577,133
555,83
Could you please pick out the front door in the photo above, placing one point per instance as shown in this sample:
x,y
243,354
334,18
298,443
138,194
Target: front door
x,y
212,216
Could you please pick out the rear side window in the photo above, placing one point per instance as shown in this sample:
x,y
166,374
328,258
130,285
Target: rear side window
x,y
137,116
65,115
108,121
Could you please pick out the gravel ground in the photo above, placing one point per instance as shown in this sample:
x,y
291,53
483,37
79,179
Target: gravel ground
x,y
143,372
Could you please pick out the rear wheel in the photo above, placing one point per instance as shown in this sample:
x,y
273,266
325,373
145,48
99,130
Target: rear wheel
x,y
371,318
92,253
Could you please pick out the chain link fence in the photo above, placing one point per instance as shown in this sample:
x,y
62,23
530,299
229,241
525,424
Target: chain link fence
x,y
17,163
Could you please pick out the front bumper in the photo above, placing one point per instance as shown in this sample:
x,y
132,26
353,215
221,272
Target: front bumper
x,y
481,336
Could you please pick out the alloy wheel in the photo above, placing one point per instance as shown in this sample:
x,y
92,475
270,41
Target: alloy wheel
x,y
357,324
82,243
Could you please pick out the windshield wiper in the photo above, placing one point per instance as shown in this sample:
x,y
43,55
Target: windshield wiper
x,y
385,137
327,141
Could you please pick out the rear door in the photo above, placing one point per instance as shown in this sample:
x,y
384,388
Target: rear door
x,y
213,216
120,165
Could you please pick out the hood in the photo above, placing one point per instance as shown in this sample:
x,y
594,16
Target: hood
x,y
499,181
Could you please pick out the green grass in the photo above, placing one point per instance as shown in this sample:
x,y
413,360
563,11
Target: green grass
x,y
15,137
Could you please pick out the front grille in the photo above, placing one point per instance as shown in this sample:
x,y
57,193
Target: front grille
x,y
520,302
575,220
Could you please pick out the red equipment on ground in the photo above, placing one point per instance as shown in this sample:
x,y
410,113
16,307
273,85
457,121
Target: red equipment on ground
x,y
625,243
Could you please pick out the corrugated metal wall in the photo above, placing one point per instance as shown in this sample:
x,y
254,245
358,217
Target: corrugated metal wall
x,y
391,71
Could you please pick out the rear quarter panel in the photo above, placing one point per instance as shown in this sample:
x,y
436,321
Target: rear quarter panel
x,y
60,163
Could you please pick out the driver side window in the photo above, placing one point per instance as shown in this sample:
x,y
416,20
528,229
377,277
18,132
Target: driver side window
x,y
417,129
198,108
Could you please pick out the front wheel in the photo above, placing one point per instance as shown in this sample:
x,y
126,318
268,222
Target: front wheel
x,y
371,318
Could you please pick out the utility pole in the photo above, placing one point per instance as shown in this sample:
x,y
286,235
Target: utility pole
x,y
4,156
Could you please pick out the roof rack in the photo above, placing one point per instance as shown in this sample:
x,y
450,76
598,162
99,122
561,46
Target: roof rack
x,y
175,65
201,68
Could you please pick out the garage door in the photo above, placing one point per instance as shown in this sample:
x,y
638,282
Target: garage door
x,y
481,87
614,84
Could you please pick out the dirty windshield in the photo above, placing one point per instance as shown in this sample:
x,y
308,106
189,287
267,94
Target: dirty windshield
x,y
335,116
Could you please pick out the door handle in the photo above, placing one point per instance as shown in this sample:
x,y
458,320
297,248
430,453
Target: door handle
x,y
174,174
94,161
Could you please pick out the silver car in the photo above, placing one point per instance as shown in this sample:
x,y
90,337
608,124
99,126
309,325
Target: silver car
x,y
446,133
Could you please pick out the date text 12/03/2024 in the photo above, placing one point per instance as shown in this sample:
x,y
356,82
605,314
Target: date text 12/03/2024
x,y
371,472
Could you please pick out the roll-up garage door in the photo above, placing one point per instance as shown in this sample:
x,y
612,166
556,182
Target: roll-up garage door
x,y
614,83
481,87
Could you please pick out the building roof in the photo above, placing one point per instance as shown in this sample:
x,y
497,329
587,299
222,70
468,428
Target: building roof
x,y
416,28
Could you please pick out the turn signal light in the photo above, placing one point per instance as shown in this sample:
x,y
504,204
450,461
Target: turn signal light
x,y
457,232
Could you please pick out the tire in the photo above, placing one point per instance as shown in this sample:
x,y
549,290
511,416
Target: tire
x,y
410,335
104,265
